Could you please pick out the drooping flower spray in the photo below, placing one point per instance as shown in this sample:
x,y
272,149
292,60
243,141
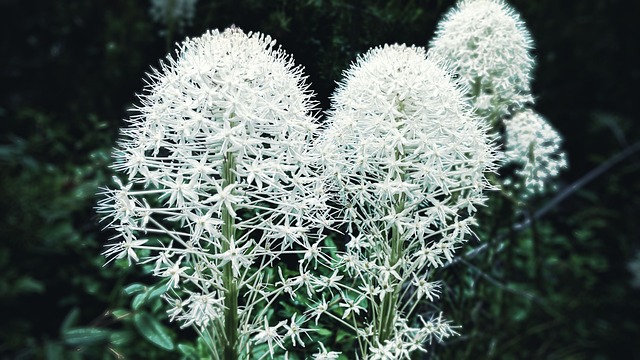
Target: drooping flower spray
x,y
406,158
488,45
221,185
533,148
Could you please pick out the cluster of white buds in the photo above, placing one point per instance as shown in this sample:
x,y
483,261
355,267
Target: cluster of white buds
x,y
488,45
534,147
221,185
177,13
405,156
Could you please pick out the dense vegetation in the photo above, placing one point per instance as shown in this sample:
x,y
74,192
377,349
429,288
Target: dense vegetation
x,y
557,288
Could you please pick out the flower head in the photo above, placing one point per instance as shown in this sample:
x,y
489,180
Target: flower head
x,y
220,177
403,148
406,158
488,45
534,148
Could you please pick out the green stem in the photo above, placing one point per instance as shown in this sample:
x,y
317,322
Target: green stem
x,y
537,254
390,300
230,351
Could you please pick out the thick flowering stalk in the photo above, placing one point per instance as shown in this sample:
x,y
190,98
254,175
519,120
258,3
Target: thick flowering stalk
x,y
533,147
406,158
220,185
488,45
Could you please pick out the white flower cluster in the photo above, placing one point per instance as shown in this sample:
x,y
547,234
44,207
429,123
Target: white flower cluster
x,y
534,147
406,158
488,45
226,177
180,13
220,183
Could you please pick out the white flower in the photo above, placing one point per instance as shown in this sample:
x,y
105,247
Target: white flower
x,y
351,306
174,272
382,352
221,179
424,288
332,282
201,310
294,330
236,256
268,334
534,147
323,354
488,45
319,309
125,248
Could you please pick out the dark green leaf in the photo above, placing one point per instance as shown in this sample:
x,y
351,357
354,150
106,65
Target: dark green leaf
x,y
188,351
54,351
153,330
157,291
323,332
28,284
138,300
134,288
121,337
85,336
120,313
70,320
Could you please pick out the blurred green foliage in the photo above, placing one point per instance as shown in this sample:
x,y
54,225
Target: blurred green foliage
x,y
558,289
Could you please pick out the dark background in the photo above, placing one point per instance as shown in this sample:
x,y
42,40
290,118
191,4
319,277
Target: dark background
x,y
69,70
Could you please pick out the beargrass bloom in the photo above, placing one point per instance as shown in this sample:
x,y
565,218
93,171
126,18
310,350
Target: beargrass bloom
x,y
533,148
405,156
488,45
220,185
173,13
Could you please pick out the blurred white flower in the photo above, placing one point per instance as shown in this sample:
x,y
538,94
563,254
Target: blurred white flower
x,y
406,157
488,45
534,147
221,181
634,268
178,13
